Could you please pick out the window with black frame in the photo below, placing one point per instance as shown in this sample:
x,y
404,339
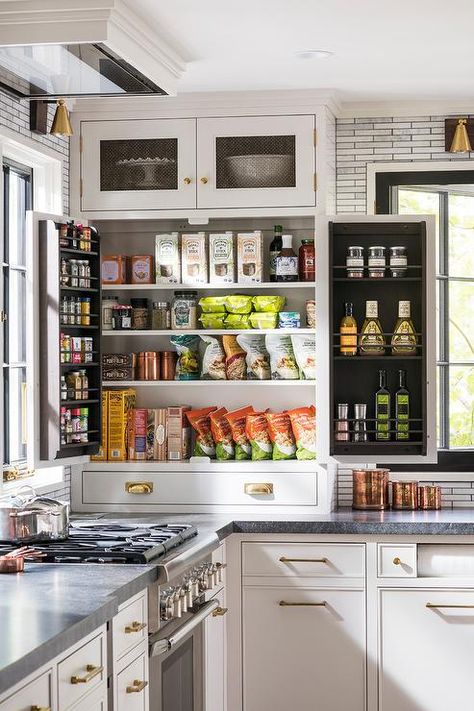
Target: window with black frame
x,y
450,197
17,198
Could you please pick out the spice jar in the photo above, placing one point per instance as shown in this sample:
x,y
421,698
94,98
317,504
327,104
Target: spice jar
x,y
85,311
168,365
107,310
160,316
355,262
139,313
398,262
306,260
121,317
376,262
342,423
184,310
311,313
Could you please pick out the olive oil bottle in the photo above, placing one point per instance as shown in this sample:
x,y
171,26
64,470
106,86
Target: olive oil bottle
x,y
404,341
382,409
348,331
402,408
371,339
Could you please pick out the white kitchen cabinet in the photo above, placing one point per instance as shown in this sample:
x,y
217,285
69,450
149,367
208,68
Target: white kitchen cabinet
x,y
36,694
256,161
131,684
426,652
215,658
146,164
306,655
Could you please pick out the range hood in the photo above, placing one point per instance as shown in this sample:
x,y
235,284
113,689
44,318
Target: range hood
x,y
90,48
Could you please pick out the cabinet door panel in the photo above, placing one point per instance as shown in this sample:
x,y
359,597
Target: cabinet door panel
x,y
37,693
303,657
215,659
426,652
132,686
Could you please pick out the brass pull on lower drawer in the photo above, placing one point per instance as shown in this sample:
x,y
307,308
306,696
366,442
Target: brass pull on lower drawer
x,y
135,627
434,606
284,559
220,611
136,687
139,487
265,488
92,671
40,708
284,603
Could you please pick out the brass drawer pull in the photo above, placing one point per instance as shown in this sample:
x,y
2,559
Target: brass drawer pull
x,y
434,606
284,559
135,627
220,611
284,603
261,488
92,671
139,487
397,561
40,708
136,687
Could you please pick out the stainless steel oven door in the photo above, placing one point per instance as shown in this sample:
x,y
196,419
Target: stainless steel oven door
x,y
176,665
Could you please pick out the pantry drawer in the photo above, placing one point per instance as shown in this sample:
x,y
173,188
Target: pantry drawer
x,y
131,691
396,560
174,488
129,626
446,560
304,560
82,671
38,693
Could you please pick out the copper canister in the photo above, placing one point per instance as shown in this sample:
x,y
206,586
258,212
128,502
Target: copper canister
x,y
148,365
404,495
429,497
168,365
370,489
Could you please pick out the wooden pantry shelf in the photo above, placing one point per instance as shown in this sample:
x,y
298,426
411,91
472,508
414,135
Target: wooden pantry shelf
x,y
210,287
210,332
197,383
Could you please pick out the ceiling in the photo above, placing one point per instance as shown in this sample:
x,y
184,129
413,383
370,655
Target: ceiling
x,y
411,50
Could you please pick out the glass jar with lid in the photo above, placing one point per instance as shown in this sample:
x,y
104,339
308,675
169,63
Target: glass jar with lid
x,y
398,262
376,262
139,314
184,310
355,262
160,316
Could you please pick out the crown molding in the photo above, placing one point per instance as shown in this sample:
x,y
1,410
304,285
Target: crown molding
x,y
386,109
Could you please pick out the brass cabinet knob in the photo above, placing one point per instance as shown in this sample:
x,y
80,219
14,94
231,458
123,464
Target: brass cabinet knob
x,y
204,180
265,489
397,561
92,671
135,627
136,687
187,181
139,487
220,611
40,708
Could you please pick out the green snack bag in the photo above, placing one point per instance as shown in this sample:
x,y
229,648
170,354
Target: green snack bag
x,y
187,347
212,304
273,304
212,320
262,319
256,429
238,303
200,421
281,434
237,420
222,435
303,424
237,321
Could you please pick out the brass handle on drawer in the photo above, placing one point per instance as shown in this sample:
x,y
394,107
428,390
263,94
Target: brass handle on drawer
x,y
204,180
262,488
135,627
40,708
187,181
136,687
397,561
284,559
284,603
139,487
219,611
92,671
434,606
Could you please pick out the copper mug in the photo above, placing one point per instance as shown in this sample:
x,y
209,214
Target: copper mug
x,y
149,365
429,497
404,495
370,489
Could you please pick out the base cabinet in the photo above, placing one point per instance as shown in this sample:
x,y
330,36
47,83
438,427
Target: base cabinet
x,y
215,658
426,649
294,654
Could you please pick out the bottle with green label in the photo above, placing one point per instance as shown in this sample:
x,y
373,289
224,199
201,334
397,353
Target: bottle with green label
x,y
382,409
402,408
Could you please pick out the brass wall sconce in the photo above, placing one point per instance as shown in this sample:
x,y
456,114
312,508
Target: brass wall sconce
x,y
459,135
61,125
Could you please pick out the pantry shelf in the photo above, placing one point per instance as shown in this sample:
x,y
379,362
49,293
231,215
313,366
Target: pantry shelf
x,y
205,465
209,287
208,332
198,383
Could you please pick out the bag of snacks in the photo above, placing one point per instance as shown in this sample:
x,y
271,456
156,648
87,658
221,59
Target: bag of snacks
x,y
256,429
237,321
257,358
235,358
212,320
281,434
304,348
238,303
222,435
212,358
212,304
282,359
200,421
303,424
187,347
263,320
268,303
237,420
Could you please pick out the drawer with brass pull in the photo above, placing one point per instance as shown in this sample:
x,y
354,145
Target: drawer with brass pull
x,y
305,560
82,671
129,626
396,560
34,696
131,689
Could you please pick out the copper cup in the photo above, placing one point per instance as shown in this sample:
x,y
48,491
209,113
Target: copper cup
x,y
12,565
404,495
429,497
370,489
168,365
148,365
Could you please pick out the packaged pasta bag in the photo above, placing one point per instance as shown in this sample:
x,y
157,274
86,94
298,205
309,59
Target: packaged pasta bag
x,y
281,435
257,358
212,358
200,421
304,348
237,420
303,424
222,435
282,359
187,366
234,358
256,429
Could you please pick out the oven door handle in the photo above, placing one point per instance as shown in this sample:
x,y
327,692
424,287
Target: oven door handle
x,y
161,646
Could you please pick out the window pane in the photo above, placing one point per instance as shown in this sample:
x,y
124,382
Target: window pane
x,y
16,324
461,235
15,249
461,309
461,407
14,413
420,202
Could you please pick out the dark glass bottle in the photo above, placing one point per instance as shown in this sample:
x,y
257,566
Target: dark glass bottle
x,y
382,409
402,408
275,249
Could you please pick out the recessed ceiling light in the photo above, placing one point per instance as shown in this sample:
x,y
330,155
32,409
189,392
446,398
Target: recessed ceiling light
x,y
314,54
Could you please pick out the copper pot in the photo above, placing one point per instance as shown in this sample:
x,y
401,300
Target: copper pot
x,y
370,489
149,365
429,497
404,495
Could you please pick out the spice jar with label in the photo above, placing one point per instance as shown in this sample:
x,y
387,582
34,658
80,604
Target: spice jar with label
x,y
160,316
398,262
355,262
184,310
121,318
306,260
107,309
376,262
139,314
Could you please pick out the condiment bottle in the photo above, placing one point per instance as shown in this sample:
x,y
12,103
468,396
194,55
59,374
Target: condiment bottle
x,y
306,259
275,249
286,266
348,332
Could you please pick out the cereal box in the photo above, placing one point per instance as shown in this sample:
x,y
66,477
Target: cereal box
x,y
167,261
249,257
137,431
179,433
193,258
156,440
120,402
101,455
141,269
221,258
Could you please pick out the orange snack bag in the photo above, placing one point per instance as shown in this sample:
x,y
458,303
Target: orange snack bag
x,y
303,423
222,434
200,421
281,434
237,420
256,429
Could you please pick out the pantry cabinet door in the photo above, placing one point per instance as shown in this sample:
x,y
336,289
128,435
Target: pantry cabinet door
x,y
257,161
425,652
147,164
215,658
303,656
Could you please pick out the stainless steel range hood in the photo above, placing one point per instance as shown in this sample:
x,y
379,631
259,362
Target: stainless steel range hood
x,y
74,48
